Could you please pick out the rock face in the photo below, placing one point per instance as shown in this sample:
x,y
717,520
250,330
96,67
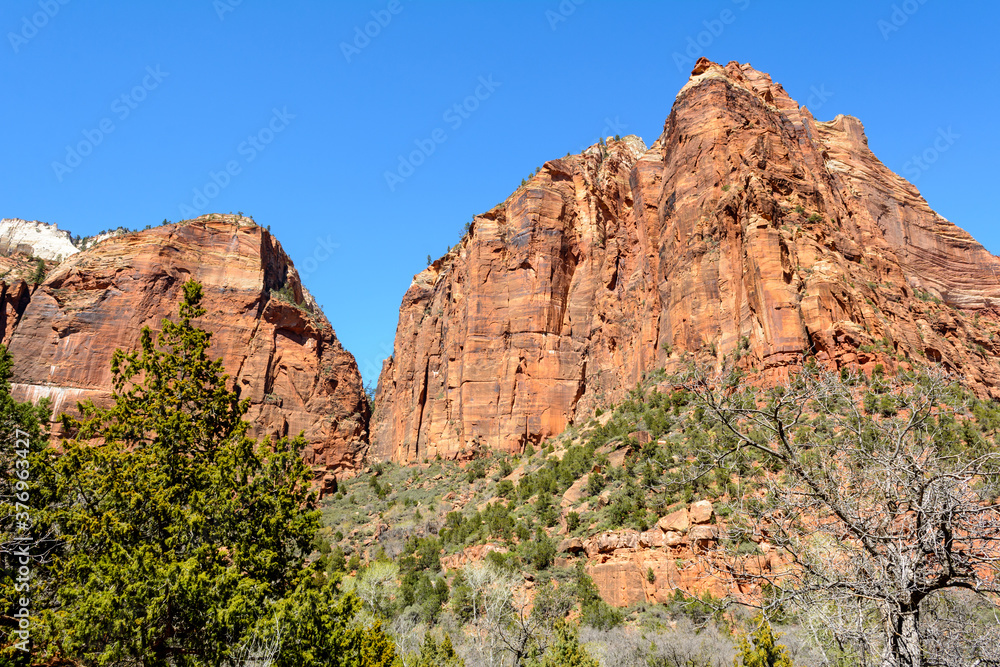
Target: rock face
x,y
748,232
661,562
38,239
277,345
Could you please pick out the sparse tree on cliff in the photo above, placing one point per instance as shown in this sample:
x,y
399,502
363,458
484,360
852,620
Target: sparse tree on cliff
x,y
884,495
38,277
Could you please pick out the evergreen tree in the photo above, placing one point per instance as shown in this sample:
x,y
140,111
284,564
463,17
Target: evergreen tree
x,y
566,650
180,530
433,654
38,276
320,628
760,649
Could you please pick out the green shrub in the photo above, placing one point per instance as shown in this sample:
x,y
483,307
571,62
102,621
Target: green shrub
x,y
433,654
539,552
760,650
566,651
595,484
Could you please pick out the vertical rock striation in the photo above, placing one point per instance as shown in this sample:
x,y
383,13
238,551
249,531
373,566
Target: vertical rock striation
x,y
748,232
272,337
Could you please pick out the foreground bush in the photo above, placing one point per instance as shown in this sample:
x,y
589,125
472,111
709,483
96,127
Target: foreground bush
x,y
182,541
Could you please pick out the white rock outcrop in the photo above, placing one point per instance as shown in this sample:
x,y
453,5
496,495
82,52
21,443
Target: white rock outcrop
x,y
38,239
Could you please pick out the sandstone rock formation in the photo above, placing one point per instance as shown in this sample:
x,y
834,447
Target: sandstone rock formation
x,y
692,561
38,239
273,339
687,559
748,232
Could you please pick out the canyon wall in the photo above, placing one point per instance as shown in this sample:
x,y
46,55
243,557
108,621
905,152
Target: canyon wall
x,y
749,233
273,339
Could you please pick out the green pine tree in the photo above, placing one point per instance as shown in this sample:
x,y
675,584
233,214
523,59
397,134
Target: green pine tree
x,y
180,531
446,652
320,628
760,649
38,276
433,654
566,650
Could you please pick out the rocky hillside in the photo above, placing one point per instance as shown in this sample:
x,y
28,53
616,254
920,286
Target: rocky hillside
x,y
272,337
748,232
593,497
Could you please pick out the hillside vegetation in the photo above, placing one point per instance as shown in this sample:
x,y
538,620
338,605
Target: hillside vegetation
x,y
905,460
836,519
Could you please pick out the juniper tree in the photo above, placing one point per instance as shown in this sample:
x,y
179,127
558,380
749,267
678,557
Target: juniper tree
x,y
180,530
760,648
566,651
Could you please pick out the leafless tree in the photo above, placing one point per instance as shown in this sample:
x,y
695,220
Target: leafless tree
x,y
260,649
884,514
682,643
376,585
491,596
408,634
508,624
530,620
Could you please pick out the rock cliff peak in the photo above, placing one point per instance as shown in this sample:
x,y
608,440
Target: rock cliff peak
x,y
748,233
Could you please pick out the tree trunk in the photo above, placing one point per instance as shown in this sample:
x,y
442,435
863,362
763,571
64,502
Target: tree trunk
x,y
903,649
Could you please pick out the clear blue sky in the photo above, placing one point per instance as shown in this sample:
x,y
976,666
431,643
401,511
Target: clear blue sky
x,y
200,77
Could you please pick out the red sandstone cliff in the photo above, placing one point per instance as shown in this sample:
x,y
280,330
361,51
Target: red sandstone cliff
x,y
748,231
284,356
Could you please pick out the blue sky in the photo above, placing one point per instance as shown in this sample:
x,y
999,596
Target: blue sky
x,y
308,114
